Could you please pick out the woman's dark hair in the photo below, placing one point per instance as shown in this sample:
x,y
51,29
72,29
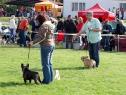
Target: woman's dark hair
x,y
41,19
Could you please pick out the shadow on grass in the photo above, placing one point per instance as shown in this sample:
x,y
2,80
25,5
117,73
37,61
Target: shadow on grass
x,y
63,68
67,68
11,84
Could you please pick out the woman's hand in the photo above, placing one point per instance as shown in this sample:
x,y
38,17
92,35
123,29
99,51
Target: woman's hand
x,y
74,37
30,44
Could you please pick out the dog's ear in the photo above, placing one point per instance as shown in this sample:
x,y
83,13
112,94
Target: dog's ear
x,y
86,57
22,65
28,65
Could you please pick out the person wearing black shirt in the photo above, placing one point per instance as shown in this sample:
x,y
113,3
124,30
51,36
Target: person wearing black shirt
x,y
120,29
70,27
59,25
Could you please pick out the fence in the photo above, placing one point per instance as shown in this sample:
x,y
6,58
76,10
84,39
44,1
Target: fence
x,y
117,36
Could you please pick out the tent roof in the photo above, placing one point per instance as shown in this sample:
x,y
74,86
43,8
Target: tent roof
x,y
98,11
57,3
96,8
46,3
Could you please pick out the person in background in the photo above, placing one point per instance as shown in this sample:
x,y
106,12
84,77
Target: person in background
x,y
34,26
79,27
117,13
70,28
107,29
23,27
12,27
59,25
76,20
92,27
17,13
100,19
18,23
21,11
120,29
112,43
46,41
122,13
28,14
109,9
1,12
25,12
64,23
113,10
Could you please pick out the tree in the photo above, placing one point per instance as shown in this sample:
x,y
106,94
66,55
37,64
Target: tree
x,y
59,1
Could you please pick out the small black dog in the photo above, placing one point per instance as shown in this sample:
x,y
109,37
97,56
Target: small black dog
x,y
29,75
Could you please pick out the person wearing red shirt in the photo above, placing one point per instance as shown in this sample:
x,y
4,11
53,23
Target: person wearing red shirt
x,y
117,13
79,27
122,13
80,23
21,11
23,27
0,12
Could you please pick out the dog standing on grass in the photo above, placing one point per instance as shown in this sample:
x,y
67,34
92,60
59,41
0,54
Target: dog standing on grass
x,y
3,42
88,62
29,75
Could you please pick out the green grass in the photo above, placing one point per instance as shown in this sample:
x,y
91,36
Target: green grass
x,y
108,79
4,19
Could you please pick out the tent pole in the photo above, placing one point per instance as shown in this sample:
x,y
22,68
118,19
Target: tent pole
x,y
54,8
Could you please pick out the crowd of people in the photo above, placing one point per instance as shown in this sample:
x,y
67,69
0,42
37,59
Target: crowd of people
x,y
69,25
24,11
118,12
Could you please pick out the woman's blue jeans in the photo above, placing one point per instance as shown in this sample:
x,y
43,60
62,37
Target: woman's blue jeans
x,y
12,35
46,58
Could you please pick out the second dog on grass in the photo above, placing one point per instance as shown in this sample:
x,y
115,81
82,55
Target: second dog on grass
x,y
88,62
29,75
3,42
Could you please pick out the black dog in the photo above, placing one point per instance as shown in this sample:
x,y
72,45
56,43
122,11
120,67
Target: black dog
x,y
29,75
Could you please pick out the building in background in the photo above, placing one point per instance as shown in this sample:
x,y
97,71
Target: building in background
x,y
73,6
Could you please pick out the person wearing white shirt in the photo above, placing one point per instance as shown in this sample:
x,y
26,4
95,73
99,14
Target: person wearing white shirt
x,y
12,27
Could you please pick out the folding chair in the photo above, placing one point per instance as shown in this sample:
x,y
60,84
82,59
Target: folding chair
x,y
60,37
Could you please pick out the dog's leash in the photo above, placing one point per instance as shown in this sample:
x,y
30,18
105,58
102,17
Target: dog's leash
x,y
28,53
86,52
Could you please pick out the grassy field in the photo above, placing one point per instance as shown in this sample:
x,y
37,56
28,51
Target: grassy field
x,y
4,19
108,79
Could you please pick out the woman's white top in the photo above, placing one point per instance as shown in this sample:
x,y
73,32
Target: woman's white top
x,y
12,24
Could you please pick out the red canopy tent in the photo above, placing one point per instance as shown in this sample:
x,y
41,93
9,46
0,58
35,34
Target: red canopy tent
x,y
98,11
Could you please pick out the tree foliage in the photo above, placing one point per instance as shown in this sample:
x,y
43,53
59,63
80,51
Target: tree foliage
x,y
13,8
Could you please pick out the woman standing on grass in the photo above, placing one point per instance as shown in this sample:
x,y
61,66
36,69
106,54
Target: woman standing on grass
x,y
79,27
12,27
46,41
